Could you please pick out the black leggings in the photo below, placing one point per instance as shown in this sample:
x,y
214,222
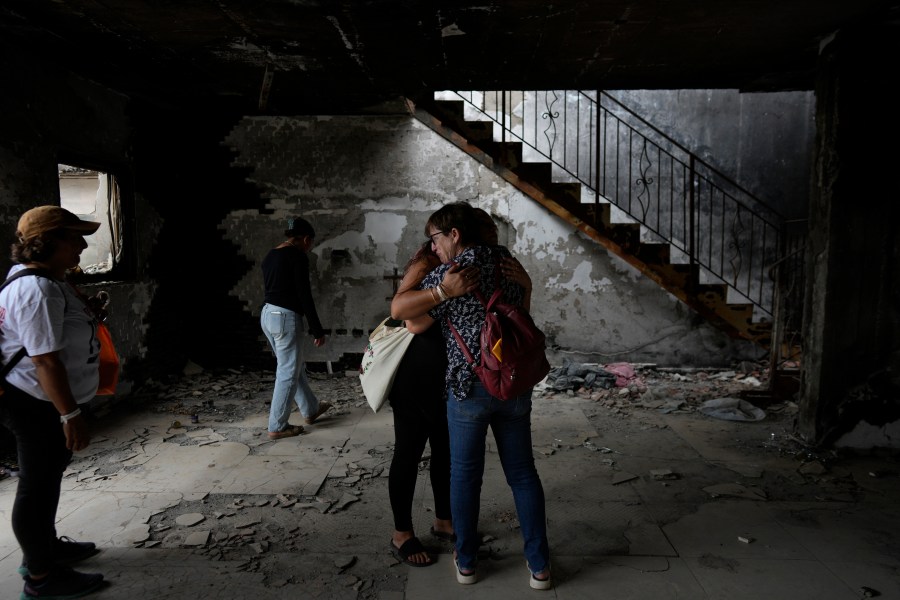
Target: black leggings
x,y
43,457
416,423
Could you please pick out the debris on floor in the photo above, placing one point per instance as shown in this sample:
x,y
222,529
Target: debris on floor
x,y
623,386
732,409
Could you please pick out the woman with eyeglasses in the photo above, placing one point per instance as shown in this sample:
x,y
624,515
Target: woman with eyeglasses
x,y
454,231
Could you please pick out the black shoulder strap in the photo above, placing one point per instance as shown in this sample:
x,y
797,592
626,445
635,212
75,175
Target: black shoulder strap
x,y
22,352
25,273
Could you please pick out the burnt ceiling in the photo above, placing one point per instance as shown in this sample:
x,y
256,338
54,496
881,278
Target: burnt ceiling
x,y
307,56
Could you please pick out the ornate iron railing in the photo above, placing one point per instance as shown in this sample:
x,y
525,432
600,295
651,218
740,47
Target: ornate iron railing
x,y
592,138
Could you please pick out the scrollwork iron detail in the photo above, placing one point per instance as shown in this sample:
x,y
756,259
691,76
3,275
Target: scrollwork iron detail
x,y
644,182
552,116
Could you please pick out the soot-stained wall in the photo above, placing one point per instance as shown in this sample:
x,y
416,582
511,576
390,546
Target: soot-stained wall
x,y
368,185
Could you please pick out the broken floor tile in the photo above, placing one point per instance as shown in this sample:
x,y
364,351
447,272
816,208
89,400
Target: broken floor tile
x,y
197,538
736,490
664,474
346,501
623,477
247,524
189,519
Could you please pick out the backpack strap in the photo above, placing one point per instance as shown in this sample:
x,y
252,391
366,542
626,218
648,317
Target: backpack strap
x,y
462,345
22,352
498,292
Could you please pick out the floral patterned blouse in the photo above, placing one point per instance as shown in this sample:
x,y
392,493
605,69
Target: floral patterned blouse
x,y
467,312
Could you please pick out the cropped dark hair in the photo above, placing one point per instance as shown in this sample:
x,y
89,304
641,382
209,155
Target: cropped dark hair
x,y
459,215
298,227
38,248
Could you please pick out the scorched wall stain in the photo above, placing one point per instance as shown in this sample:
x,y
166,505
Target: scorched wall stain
x,y
368,185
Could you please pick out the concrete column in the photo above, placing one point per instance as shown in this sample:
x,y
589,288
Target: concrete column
x,y
851,312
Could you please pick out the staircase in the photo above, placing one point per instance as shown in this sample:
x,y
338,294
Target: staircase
x,y
594,163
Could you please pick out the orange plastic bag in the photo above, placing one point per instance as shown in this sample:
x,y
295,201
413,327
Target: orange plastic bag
x,y
109,363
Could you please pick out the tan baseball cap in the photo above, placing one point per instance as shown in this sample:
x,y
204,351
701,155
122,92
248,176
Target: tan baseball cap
x,y
47,218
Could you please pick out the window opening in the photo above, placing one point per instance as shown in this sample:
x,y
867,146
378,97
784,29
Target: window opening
x,y
94,196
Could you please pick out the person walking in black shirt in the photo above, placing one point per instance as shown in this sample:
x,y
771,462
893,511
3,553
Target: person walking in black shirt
x,y
288,300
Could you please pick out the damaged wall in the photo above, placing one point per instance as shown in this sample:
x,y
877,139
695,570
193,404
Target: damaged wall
x,y
851,379
58,117
764,141
368,185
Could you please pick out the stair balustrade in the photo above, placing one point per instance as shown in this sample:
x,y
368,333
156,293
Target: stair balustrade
x,y
709,222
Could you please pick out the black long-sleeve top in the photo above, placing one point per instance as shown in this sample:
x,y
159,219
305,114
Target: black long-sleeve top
x,y
286,276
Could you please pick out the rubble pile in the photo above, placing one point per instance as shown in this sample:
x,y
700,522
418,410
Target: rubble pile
x,y
621,386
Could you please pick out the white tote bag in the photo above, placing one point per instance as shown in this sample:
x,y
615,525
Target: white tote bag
x,y
382,357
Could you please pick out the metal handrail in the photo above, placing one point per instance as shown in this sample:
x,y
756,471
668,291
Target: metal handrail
x,y
592,138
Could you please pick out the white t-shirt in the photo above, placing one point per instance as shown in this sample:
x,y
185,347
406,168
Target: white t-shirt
x,y
45,315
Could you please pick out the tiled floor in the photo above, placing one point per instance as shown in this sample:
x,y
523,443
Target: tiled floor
x,y
738,518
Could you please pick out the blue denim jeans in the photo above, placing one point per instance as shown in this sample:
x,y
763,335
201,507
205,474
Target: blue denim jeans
x,y
284,330
510,421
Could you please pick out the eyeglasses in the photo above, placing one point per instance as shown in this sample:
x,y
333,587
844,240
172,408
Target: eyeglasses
x,y
431,237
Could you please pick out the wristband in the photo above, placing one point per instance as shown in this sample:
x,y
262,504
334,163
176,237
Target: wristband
x,y
70,416
442,292
434,297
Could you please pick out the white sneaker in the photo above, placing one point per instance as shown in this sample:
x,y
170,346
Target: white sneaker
x,y
465,579
539,584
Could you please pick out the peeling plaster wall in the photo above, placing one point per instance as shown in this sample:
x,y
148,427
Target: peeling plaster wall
x,y
368,185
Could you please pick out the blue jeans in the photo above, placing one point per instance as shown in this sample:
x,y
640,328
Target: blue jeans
x,y
510,420
284,330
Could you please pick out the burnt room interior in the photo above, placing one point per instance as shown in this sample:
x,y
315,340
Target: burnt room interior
x,y
177,102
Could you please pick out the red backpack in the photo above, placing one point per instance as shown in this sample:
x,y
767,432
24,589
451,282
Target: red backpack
x,y
513,358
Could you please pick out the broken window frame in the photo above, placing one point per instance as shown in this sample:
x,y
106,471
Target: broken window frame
x,y
117,193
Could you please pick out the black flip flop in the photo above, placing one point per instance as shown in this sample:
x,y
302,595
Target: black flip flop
x,y
410,547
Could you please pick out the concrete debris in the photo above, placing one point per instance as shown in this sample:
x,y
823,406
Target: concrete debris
x,y
621,386
736,490
601,449
320,505
247,524
189,519
345,501
262,527
197,538
664,474
732,409
623,477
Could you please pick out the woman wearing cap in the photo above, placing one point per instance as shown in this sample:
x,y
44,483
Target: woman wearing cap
x,y
288,299
48,338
